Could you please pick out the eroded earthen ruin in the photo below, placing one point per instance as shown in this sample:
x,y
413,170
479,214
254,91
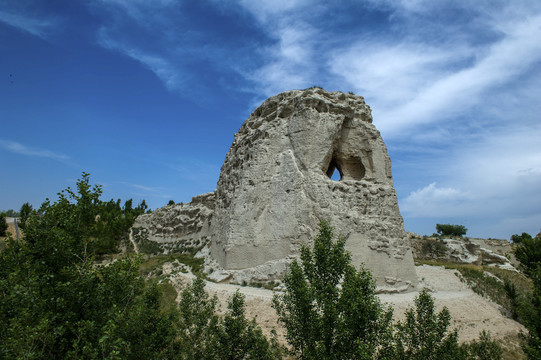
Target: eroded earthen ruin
x,y
277,183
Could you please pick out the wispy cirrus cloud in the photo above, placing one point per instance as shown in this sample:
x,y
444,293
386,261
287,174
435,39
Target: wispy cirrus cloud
x,y
287,61
414,81
18,148
168,73
34,26
147,192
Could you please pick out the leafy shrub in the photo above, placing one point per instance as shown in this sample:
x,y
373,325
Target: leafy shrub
x,y
12,213
517,239
3,224
57,304
483,349
204,335
433,248
25,212
424,334
528,252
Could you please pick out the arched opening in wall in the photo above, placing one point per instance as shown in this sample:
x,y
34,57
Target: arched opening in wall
x,y
334,172
345,169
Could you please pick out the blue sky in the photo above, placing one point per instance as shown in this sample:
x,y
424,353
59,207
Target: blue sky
x,y
146,96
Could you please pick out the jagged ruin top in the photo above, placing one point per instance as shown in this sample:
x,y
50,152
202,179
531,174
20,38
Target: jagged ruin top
x,y
281,105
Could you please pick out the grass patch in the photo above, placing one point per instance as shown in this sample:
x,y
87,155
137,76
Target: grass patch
x,y
168,295
511,346
154,262
505,287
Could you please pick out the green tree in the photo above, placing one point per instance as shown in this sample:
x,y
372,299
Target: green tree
x,y
12,213
198,322
232,337
517,239
484,349
424,334
328,308
532,316
240,338
451,230
57,304
528,252
3,224
25,212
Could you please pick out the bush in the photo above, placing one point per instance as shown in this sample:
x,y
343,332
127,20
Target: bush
x,y
425,335
58,304
25,212
322,319
12,213
451,230
528,252
532,316
517,239
484,349
433,248
3,225
204,335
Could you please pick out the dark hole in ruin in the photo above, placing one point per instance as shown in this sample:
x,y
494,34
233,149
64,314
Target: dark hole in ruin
x,y
334,172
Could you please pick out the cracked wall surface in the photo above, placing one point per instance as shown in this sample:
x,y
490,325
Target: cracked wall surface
x,y
275,187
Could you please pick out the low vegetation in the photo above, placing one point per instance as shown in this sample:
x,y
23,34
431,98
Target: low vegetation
x,y
154,263
518,293
517,239
505,287
528,253
3,225
58,302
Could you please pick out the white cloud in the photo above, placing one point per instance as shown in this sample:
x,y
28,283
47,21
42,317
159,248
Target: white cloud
x,y
143,11
412,84
146,188
493,182
391,74
270,12
33,26
288,67
434,201
19,148
169,74
289,62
